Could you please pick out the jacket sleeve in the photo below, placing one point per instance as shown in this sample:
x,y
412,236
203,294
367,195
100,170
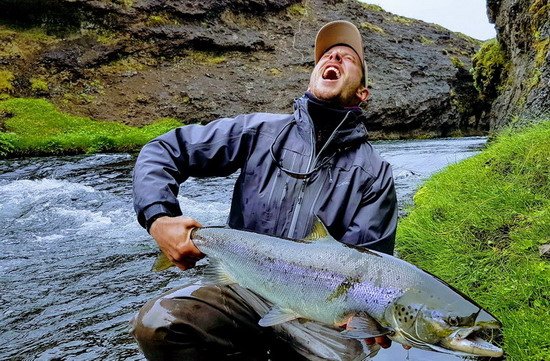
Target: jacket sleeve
x,y
215,149
375,223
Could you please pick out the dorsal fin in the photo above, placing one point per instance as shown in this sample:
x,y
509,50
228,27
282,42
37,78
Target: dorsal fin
x,y
318,232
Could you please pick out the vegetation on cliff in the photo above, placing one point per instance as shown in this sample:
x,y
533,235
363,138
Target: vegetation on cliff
x,y
489,69
36,127
523,28
479,224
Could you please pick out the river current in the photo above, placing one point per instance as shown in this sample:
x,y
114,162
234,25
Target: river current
x,y
75,265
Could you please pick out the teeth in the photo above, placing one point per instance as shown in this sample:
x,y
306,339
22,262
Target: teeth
x,y
330,69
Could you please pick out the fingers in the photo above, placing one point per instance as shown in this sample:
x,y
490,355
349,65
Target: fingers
x,y
185,264
383,341
173,237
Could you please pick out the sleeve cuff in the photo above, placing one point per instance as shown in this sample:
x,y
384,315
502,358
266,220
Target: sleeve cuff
x,y
153,212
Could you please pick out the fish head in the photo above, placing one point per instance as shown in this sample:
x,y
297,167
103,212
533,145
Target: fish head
x,y
452,325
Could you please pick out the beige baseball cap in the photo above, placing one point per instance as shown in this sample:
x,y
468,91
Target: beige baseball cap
x,y
340,32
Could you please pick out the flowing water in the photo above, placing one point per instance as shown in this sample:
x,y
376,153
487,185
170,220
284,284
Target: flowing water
x,y
75,265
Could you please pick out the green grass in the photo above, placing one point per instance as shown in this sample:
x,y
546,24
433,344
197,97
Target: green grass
x,y
478,225
36,127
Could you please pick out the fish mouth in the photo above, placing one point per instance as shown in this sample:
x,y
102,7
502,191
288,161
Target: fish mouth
x,y
474,341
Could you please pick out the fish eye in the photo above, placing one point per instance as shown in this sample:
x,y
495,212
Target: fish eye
x,y
453,321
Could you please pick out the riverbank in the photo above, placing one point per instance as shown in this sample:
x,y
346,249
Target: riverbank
x,y
35,127
31,127
479,224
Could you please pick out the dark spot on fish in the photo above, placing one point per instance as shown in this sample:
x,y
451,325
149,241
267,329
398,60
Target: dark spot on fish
x,y
343,288
403,309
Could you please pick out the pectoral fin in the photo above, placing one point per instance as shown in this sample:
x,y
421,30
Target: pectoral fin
x,y
277,316
362,326
216,274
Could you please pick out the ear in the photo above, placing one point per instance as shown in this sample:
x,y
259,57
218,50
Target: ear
x,y
362,93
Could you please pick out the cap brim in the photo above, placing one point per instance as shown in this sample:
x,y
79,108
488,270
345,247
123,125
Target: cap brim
x,y
338,32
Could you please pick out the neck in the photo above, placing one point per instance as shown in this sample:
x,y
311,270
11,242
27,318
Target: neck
x,y
326,116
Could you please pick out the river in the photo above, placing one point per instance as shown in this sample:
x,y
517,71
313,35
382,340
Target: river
x,y
75,265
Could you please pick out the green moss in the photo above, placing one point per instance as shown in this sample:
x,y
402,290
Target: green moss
x,y
161,19
534,78
36,127
22,43
206,57
107,37
402,20
39,86
457,63
35,34
6,77
122,66
297,10
372,28
426,41
372,7
478,225
275,72
490,67
541,47
539,10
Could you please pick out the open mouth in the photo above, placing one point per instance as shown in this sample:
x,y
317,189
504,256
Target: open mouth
x,y
331,73
474,341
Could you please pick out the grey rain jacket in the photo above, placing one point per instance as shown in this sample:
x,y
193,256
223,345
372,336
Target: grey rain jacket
x,y
350,187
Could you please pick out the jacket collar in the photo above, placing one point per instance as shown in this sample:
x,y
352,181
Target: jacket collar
x,y
353,130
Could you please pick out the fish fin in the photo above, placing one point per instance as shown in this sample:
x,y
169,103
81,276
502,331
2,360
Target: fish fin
x,y
215,273
362,326
318,232
277,316
161,263
369,351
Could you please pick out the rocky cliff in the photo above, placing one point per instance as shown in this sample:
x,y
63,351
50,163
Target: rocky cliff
x,y
523,32
139,60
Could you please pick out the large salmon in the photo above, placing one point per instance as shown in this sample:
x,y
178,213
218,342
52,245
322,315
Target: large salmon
x,y
371,293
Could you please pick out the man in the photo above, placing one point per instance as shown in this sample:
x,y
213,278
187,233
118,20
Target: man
x,y
315,162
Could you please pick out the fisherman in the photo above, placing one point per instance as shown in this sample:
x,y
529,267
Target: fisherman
x,y
314,163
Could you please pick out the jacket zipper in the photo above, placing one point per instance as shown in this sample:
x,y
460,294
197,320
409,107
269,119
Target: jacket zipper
x,y
310,166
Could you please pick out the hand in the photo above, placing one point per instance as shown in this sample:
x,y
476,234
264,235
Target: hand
x,y
383,341
173,236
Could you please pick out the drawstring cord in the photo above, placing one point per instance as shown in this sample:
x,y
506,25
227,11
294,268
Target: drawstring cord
x,y
305,175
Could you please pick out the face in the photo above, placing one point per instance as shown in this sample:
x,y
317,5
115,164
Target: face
x,y
337,77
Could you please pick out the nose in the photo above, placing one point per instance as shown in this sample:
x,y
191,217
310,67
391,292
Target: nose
x,y
335,55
